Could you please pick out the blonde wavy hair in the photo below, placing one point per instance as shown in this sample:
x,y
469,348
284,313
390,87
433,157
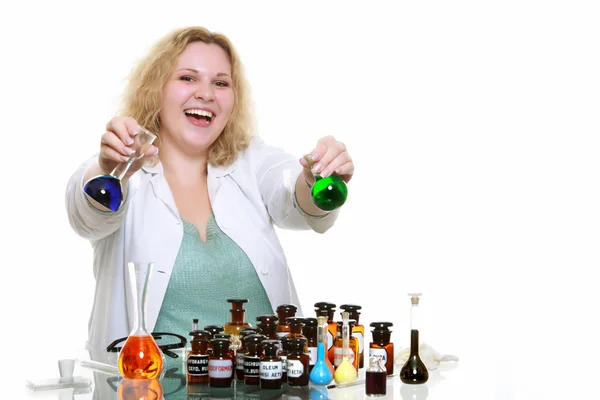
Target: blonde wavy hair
x,y
143,94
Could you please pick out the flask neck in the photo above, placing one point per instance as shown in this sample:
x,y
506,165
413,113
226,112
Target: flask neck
x,y
414,342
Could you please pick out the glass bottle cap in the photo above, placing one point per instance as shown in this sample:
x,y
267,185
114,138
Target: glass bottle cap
x,y
381,326
287,308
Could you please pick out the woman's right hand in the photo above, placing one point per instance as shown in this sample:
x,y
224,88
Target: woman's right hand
x,y
115,142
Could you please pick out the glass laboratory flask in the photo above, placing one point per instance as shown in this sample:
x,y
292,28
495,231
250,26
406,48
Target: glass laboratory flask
x,y
327,193
414,371
140,389
140,357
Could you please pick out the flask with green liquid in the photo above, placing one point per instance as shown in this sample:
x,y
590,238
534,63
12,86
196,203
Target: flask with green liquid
x,y
327,193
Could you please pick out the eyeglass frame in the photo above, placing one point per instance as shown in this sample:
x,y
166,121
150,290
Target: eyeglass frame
x,y
165,348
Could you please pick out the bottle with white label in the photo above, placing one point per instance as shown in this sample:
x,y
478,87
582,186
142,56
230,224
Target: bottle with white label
x,y
220,364
381,347
326,309
297,363
197,358
283,353
241,352
358,331
270,366
254,352
309,330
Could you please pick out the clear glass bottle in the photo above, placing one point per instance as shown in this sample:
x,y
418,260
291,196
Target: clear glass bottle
x,y
358,331
140,357
375,378
414,371
284,311
381,346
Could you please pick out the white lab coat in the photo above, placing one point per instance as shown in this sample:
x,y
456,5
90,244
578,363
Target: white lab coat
x,y
248,198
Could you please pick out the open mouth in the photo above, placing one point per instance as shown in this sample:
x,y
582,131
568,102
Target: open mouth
x,y
199,117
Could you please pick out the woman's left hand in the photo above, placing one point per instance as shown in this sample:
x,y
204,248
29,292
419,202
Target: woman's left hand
x,y
329,157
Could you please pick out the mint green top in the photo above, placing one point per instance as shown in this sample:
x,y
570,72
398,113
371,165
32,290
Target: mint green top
x,y
204,276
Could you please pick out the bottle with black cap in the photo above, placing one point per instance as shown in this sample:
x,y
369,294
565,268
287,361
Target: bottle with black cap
x,y
309,330
284,311
381,346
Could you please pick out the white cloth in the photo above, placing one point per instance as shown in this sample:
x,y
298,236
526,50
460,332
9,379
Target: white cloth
x,y
248,198
428,355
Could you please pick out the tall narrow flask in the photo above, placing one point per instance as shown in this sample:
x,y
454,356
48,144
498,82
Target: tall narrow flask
x,y
414,370
322,372
346,372
140,357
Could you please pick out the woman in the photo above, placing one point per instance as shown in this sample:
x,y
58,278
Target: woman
x,y
203,210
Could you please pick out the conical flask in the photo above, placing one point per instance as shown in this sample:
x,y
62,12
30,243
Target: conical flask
x,y
140,357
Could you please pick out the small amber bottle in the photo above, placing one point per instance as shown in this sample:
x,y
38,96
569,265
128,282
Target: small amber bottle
x,y
220,364
197,358
213,330
237,322
254,352
268,325
352,344
296,325
297,363
358,331
283,352
270,366
381,347
309,330
228,337
241,352
327,310
285,311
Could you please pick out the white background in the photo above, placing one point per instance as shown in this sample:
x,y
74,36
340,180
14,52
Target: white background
x,y
474,130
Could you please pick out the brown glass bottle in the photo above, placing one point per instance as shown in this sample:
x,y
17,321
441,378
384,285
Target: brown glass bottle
x,y
254,352
241,352
285,311
213,330
327,310
309,330
414,371
220,364
197,357
381,347
358,331
352,344
268,325
296,324
228,337
297,363
237,322
283,352
270,366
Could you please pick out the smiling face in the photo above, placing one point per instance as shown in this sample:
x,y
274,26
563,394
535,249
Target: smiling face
x,y
198,98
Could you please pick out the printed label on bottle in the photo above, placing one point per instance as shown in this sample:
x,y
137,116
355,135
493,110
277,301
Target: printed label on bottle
x,y
282,334
270,370
338,357
239,361
312,352
251,366
220,368
329,340
283,363
361,340
295,368
378,353
197,365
